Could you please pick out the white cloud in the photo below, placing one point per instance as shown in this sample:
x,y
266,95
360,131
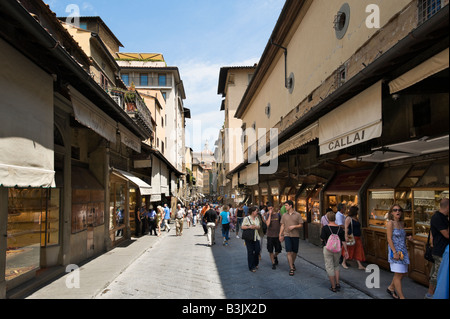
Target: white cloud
x,y
201,81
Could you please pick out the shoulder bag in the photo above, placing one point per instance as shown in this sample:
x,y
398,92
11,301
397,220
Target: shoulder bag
x,y
248,234
429,250
351,239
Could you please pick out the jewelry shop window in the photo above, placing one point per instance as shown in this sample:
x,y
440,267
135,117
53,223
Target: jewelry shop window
x,y
33,222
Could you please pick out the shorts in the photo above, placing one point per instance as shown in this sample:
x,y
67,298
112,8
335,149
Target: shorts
x,y
435,270
291,244
273,243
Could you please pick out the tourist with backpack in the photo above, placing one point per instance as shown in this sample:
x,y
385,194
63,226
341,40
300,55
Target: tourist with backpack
x,y
334,237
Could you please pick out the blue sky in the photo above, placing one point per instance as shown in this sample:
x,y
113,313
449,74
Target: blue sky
x,y
197,36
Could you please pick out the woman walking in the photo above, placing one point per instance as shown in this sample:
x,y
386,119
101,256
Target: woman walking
x,y
353,227
397,253
331,257
224,218
253,246
159,218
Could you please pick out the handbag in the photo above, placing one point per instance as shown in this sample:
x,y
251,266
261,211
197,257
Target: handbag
x,y
428,250
351,239
248,234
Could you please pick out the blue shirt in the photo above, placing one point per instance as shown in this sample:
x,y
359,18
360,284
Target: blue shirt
x,y
225,217
245,210
167,211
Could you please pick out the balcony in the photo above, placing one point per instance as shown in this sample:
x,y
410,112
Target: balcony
x,y
132,103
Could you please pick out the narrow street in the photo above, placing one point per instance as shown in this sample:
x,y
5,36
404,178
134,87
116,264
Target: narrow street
x,y
185,268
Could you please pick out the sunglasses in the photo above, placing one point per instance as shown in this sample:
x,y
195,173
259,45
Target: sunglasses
x,y
397,210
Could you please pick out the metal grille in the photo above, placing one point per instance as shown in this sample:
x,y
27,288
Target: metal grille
x,y
428,8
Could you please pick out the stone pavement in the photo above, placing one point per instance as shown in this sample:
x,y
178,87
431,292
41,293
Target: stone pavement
x,y
185,268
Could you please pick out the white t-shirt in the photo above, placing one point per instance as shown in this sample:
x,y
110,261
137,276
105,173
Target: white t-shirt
x,y
340,219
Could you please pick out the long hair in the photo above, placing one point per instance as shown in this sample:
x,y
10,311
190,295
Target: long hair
x,y
390,217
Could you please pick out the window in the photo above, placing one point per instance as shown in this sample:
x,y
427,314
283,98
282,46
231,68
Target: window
x,y
104,82
164,94
342,21
427,9
144,79
126,79
83,25
162,80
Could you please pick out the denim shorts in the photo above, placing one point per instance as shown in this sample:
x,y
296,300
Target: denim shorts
x,y
291,244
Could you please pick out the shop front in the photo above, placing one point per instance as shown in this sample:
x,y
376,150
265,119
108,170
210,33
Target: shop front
x,y
128,194
301,206
314,214
29,208
417,185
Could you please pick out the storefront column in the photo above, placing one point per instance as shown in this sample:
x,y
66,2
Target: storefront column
x,y
3,238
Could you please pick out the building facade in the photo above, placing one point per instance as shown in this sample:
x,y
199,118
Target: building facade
x,y
60,202
358,107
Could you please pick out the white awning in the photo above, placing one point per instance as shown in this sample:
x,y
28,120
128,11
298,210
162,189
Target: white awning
x,y
129,139
253,174
156,175
405,150
235,180
305,136
26,122
144,188
356,121
428,68
91,116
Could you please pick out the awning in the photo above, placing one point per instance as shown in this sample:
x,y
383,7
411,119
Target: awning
x,y
253,174
349,182
26,122
235,180
156,176
129,139
407,149
144,188
91,116
356,121
428,68
305,136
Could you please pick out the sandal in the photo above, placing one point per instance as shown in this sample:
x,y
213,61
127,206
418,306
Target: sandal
x,y
392,293
291,272
333,289
338,287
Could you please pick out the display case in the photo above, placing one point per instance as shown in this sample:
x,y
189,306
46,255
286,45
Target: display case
x,y
33,222
426,203
379,203
302,200
314,205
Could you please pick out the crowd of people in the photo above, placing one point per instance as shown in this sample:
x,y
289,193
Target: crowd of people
x,y
341,233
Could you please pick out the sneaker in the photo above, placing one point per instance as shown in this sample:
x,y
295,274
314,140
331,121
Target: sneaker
x,y
273,266
276,260
237,236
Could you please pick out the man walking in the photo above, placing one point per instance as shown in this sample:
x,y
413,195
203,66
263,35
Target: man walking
x,y
273,230
179,219
211,218
291,222
439,233
166,217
